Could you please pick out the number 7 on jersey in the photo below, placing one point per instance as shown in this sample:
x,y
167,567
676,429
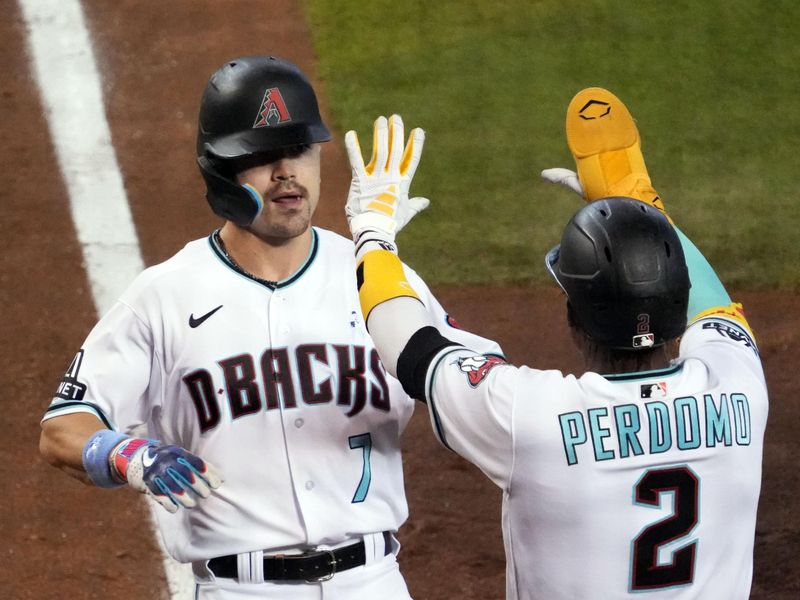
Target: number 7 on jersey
x,y
364,441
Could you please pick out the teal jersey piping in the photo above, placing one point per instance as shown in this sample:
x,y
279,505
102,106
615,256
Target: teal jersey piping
x,y
272,285
96,410
437,421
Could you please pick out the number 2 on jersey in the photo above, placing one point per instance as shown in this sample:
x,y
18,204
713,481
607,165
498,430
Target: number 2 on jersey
x,y
362,441
646,572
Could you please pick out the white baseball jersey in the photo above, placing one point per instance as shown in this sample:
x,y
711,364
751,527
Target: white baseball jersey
x,y
278,386
614,486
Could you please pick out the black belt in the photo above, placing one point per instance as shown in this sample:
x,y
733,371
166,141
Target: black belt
x,y
310,566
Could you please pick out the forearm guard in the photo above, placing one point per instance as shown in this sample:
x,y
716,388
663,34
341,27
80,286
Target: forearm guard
x,y
380,277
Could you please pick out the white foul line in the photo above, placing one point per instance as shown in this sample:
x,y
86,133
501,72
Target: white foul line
x,y
69,84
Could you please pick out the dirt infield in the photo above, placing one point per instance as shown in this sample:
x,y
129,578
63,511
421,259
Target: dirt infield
x,y
65,540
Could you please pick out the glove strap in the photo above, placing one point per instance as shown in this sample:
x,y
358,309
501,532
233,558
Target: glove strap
x,y
95,456
123,454
373,231
371,240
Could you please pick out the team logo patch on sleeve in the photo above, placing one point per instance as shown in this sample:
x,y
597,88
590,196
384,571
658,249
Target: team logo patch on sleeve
x,y
732,332
477,367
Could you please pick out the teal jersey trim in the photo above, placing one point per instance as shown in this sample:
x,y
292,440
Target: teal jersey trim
x,y
434,412
93,408
216,245
707,290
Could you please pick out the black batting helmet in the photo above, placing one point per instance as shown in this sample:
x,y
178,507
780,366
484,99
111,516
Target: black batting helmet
x,y
252,105
622,267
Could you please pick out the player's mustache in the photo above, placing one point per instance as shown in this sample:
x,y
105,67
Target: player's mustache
x,y
285,189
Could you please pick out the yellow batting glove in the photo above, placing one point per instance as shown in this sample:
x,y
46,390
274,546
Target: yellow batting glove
x,y
378,205
605,143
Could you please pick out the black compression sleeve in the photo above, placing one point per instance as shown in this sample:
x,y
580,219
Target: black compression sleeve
x,y
416,357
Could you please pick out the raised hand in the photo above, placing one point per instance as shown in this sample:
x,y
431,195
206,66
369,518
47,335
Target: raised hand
x,y
378,205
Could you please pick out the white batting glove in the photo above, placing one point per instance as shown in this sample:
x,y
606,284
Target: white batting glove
x,y
564,177
378,205
171,475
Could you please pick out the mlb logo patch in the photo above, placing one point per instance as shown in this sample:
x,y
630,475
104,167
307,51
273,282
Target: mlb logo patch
x,y
654,390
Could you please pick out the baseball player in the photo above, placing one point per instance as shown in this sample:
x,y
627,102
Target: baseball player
x,y
246,361
639,478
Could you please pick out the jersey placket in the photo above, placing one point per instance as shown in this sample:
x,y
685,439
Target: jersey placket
x,y
292,423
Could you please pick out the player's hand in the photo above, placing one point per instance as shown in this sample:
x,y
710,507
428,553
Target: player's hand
x,y
171,475
565,177
570,179
378,205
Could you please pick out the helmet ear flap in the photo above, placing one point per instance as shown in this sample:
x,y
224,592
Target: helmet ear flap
x,y
231,201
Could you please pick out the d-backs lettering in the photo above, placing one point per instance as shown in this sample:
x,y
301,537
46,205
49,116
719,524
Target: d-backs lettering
x,y
281,382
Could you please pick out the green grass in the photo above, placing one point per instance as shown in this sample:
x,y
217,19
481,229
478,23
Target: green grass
x,y
714,86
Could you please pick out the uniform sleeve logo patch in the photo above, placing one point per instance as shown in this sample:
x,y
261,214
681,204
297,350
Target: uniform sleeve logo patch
x,y
732,332
70,388
478,367
273,110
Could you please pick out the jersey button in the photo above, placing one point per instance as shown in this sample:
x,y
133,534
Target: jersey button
x,y
298,423
309,485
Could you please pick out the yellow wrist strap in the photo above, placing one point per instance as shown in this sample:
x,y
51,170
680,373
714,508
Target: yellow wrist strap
x,y
380,277
733,311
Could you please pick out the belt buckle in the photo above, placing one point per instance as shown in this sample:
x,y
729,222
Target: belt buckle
x,y
331,564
